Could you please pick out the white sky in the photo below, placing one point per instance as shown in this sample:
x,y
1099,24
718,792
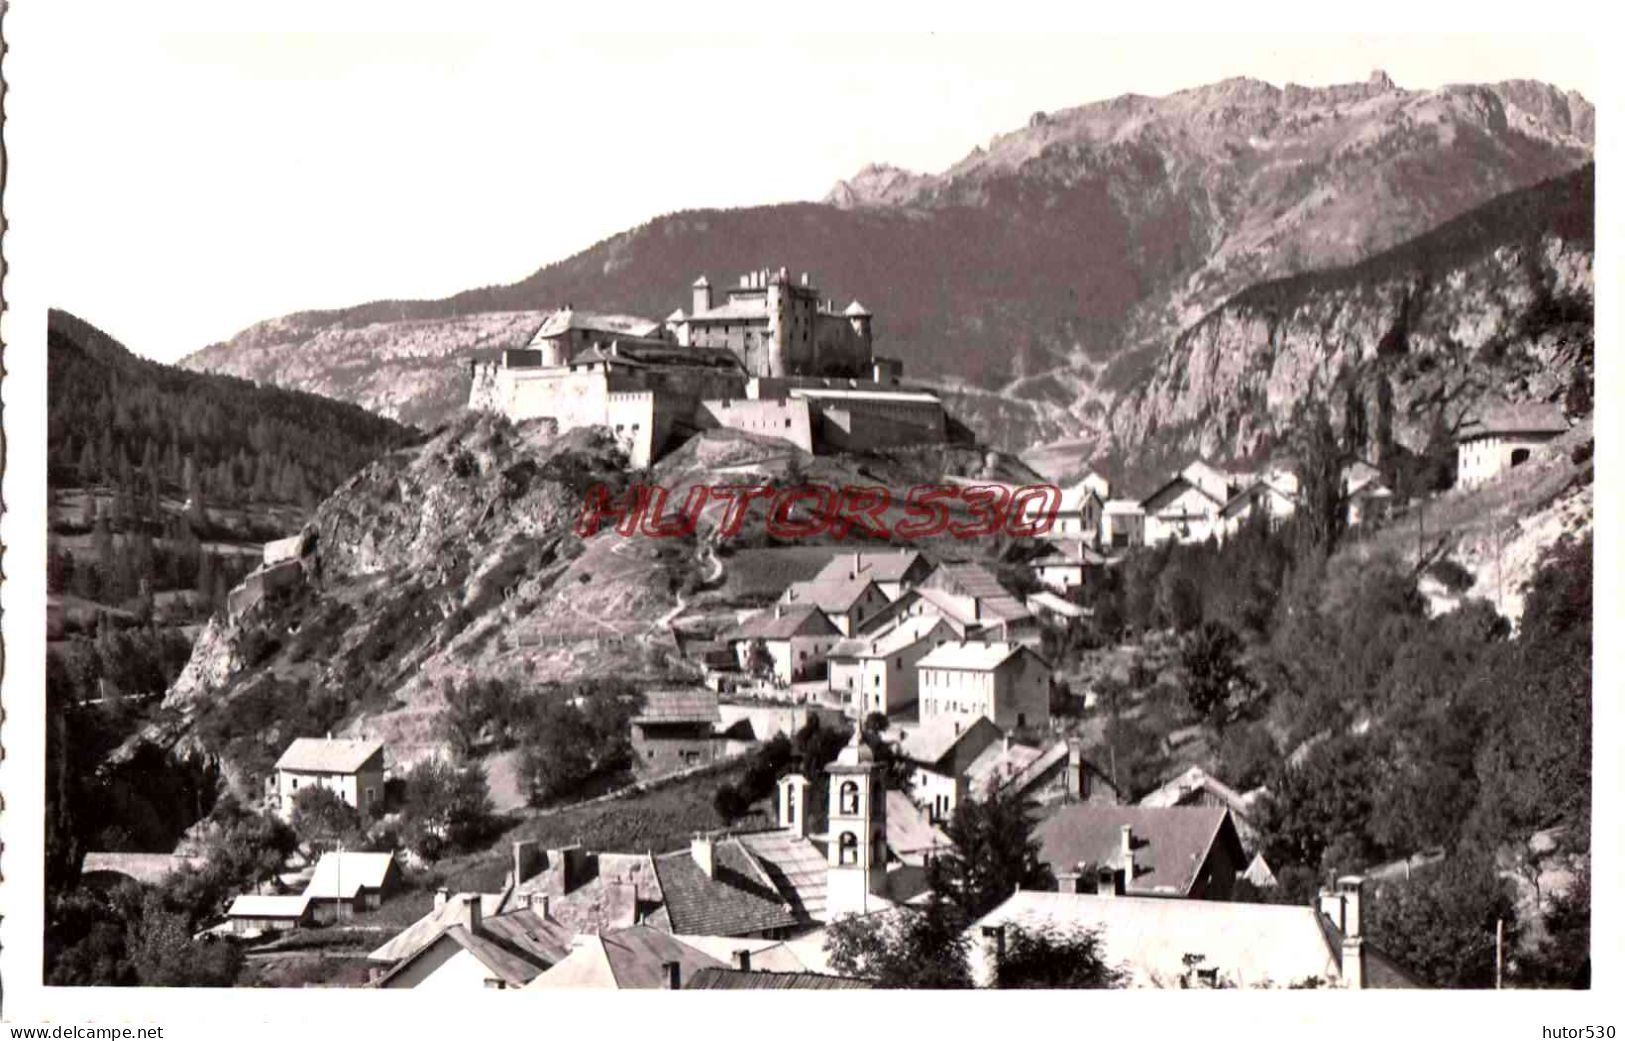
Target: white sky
x,y
199,182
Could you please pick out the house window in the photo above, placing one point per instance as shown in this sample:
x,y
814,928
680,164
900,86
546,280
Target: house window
x,y
849,798
848,848
789,809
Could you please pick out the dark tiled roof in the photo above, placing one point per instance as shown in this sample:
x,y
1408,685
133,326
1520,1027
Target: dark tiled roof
x,y
734,979
775,623
1170,843
678,706
882,566
1528,418
835,595
739,900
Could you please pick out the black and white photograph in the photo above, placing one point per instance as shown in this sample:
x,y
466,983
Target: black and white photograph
x,y
754,508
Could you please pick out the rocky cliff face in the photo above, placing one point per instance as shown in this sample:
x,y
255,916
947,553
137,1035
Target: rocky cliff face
x,y
1039,277
1496,304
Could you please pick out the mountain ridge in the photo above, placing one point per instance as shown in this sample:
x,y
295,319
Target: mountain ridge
x,y
1098,234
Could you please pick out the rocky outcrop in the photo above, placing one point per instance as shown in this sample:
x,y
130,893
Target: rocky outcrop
x,y
1495,307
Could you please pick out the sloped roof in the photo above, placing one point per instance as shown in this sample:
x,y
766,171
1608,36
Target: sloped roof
x,y
929,741
880,565
523,930
625,959
1252,492
1173,489
1526,418
1250,945
1001,765
1170,842
425,930
974,655
898,637
833,595
1177,789
255,905
796,868
736,979
741,898
1050,602
328,755
784,621
678,706
732,311
340,876
513,967
1069,551
996,603
1259,874
857,310
805,953
563,321
909,832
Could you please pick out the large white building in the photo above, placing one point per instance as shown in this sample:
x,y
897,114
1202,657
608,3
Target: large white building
x,y
966,679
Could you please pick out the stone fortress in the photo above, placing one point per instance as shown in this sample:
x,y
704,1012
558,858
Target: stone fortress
x,y
775,359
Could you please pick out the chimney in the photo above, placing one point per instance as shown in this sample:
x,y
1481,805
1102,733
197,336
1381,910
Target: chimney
x,y
541,904
441,895
1128,855
674,974
1074,767
1007,742
805,279
704,851
1109,881
471,912
524,860
742,960
1349,888
1331,905
793,804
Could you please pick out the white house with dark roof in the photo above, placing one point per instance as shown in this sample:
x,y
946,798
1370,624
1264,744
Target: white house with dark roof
x,y
352,769
850,602
877,672
1005,682
1501,437
796,637
1188,507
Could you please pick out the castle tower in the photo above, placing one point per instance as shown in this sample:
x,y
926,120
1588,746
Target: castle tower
x,y
778,322
793,803
862,320
702,295
857,831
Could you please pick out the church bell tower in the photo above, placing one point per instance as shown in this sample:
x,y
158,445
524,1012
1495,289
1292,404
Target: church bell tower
x,y
857,831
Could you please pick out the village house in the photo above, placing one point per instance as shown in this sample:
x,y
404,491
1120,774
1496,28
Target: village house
x,y
1271,498
977,599
795,637
1122,524
1045,775
1502,437
588,891
347,883
1068,564
351,769
1202,943
1196,787
477,951
1187,508
851,603
941,751
877,672
1176,851
634,958
676,729
1081,510
1367,498
892,570
1007,683
253,914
